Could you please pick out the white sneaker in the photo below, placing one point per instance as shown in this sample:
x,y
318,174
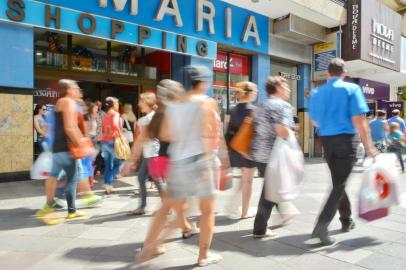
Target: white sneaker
x,y
268,234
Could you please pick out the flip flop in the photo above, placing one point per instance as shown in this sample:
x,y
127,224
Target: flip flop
x,y
143,255
136,212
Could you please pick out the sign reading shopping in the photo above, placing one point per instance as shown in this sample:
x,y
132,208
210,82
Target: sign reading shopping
x,y
185,26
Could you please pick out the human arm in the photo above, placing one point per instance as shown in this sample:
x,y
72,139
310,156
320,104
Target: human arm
x,y
360,123
37,127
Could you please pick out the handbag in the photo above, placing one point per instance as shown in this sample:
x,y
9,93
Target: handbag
x,y
122,148
226,179
127,132
83,149
158,167
242,140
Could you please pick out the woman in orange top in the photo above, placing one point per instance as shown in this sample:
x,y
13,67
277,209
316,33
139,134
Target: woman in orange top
x,y
111,125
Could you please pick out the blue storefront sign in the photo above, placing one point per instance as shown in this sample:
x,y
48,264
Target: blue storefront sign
x,y
67,20
191,27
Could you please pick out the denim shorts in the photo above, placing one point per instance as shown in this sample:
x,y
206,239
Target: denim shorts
x,y
62,161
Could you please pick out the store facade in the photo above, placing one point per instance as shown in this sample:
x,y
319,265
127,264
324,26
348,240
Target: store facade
x,y
119,48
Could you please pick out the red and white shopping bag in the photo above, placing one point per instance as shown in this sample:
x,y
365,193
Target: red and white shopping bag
x,y
379,189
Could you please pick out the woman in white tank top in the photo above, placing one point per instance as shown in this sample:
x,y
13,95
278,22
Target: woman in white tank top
x,y
190,126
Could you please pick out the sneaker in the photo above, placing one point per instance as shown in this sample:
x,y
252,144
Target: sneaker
x,y
77,214
348,226
92,199
47,209
60,204
268,234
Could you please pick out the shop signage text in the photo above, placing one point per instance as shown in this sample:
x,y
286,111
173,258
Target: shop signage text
x,y
46,16
323,53
212,20
372,34
290,76
239,64
373,90
383,40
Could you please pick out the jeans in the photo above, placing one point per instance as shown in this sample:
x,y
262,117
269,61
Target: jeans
x,y
143,176
398,152
264,207
63,162
340,156
111,163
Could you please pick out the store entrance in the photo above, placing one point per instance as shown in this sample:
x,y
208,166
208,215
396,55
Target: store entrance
x,y
127,94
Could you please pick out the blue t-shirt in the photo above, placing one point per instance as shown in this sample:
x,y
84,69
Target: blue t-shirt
x,y
395,137
377,127
333,105
400,121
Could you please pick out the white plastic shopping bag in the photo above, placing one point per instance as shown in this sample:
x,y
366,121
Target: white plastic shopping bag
x,y
285,170
42,166
380,189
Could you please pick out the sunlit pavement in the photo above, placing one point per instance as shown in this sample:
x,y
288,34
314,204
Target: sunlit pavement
x,y
108,238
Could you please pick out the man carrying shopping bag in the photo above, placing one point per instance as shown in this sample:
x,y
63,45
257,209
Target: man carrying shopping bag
x,y
338,109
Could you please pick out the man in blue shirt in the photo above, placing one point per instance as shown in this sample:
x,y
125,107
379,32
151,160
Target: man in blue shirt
x,y
379,128
338,109
397,119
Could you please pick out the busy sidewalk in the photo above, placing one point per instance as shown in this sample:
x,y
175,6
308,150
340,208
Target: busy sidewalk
x,y
107,238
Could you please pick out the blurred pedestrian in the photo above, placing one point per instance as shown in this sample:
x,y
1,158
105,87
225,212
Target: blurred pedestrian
x,y
66,130
150,148
379,129
273,119
129,122
91,119
397,119
190,126
40,128
111,126
167,91
338,109
99,162
246,95
396,139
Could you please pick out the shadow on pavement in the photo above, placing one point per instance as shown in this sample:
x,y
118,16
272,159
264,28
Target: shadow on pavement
x,y
22,218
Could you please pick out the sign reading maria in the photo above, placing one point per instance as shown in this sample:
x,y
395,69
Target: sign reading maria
x,y
168,22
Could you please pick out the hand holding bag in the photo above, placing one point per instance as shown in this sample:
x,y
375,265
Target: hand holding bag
x,y
158,167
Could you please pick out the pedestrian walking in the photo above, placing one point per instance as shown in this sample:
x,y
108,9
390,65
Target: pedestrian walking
x,y
111,126
397,119
338,109
273,119
66,130
40,128
379,128
150,148
129,122
396,139
246,95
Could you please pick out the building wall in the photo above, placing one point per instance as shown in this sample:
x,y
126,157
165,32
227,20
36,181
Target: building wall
x,y
16,83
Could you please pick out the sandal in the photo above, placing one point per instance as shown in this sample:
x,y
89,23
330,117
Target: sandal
x,y
248,216
188,234
144,254
212,259
136,212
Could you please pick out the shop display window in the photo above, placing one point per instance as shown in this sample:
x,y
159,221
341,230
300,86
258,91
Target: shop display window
x,y
51,49
125,60
229,69
89,54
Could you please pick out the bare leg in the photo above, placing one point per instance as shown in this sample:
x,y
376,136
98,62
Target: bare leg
x,y
246,188
50,187
84,188
207,220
